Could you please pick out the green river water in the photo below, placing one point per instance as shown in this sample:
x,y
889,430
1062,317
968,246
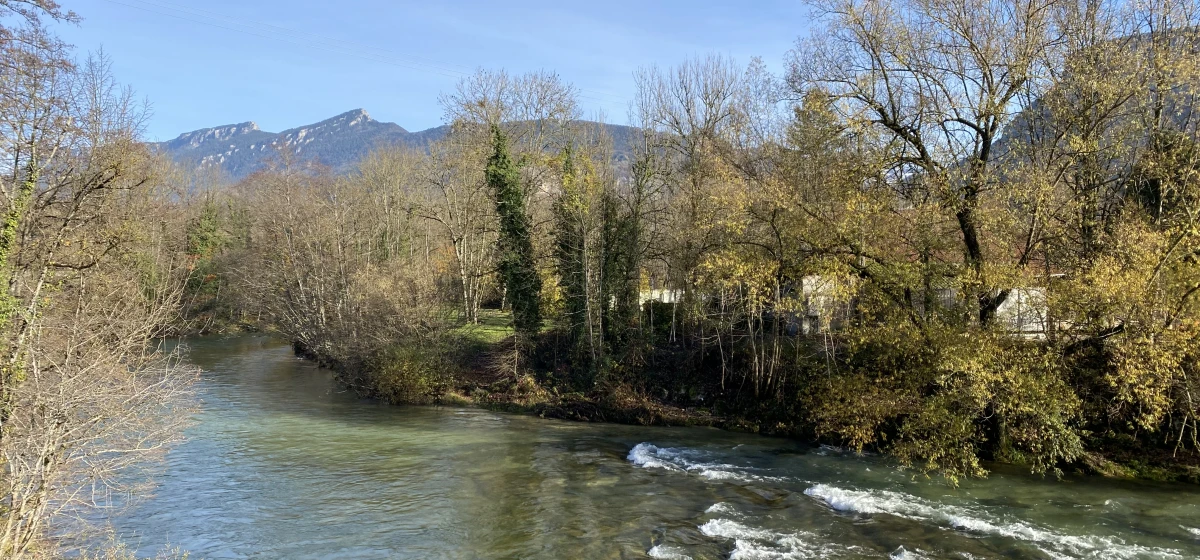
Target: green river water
x,y
282,463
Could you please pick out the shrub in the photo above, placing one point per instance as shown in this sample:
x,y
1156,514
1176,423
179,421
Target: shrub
x,y
412,372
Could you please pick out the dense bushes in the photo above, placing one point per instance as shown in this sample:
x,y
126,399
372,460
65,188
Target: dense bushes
x,y
409,372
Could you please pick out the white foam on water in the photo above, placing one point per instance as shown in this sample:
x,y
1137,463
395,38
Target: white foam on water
x,y
648,456
681,459
729,529
1194,531
826,450
905,554
721,508
979,521
663,552
751,543
881,501
718,474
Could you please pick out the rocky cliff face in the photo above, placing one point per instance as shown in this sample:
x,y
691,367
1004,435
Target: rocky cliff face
x,y
196,139
337,142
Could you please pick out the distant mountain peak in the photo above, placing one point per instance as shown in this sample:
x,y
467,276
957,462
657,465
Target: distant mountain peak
x,y
356,116
352,118
338,142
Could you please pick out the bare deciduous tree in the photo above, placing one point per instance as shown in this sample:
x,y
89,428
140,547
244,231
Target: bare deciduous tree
x,y
92,279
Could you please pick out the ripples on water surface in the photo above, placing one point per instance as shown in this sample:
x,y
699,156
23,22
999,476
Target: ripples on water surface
x,y
283,464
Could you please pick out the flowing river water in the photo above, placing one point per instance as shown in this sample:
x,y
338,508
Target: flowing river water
x,y
283,463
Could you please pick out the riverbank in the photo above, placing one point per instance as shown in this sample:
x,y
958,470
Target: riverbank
x,y
625,406
469,368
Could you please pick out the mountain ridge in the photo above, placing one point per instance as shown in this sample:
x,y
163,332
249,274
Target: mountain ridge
x,y
337,142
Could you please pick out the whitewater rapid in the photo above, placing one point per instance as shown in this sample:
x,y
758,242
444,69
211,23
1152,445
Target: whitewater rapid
x,y
746,536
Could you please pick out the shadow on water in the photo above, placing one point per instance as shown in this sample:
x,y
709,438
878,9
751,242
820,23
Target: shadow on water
x,y
283,463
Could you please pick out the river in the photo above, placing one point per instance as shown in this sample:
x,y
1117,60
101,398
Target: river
x,y
282,463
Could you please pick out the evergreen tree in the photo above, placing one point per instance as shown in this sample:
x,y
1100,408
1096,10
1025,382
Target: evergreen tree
x,y
570,250
205,239
622,259
518,270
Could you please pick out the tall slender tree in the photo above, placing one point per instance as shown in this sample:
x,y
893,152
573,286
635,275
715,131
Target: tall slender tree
x,y
518,267
622,239
571,224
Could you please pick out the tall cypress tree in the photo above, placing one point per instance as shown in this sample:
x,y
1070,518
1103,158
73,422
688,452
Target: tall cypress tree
x,y
518,269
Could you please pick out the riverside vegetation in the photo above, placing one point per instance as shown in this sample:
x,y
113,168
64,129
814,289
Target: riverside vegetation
x,y
833,254
93,274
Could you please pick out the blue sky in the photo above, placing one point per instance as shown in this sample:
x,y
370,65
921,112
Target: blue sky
x,y
285,63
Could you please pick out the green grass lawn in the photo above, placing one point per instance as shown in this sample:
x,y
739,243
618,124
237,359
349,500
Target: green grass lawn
x,y
494,326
